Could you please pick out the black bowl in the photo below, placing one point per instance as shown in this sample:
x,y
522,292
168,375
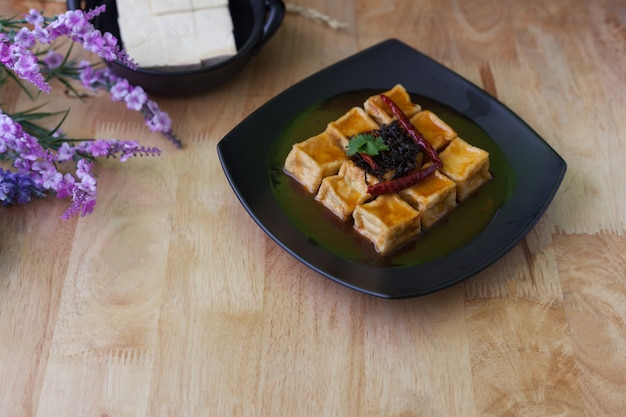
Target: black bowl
x,y
254,21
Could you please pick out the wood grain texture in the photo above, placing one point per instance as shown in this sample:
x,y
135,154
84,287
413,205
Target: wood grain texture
x,y
592,270
170,301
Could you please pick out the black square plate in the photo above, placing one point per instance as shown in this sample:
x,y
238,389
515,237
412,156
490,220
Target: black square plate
x,y
527,173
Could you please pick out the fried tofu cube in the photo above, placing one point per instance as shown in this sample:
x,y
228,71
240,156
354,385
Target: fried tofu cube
x,y
382,114
466,165
433,197
310,161
388,222
437,132
341,193
352,123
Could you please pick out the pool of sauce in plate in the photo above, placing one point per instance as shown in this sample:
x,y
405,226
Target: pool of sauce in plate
x,y
322,228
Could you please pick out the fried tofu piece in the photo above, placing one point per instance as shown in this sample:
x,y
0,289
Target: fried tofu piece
x,y
437,132
352,123
310,161
433,197
341,193
381,113
466,165
388,222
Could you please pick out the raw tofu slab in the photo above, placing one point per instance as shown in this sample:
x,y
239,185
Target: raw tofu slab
x,y
133,9
176,26
181,50
174,34
162,7
214,29
205,4
143,31
146,53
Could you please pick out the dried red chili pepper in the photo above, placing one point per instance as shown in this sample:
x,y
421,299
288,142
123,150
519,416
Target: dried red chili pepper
x,y
369,160
412,131
397,184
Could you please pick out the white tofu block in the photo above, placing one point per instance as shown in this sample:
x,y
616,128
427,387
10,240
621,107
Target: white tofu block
x,y
182,50
137,31
209,22
205,4
133,9
184,37
176,25
214,28
146,54
163,7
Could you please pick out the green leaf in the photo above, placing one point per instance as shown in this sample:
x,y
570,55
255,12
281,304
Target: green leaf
x,y
366,143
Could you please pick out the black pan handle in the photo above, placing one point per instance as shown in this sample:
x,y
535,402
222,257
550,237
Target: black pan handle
x,y
275,13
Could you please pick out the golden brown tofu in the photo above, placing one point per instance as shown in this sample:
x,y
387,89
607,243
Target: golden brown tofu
x,y
355,121
341,193
433,198
381,113
466,165
388,222
437,132
309,162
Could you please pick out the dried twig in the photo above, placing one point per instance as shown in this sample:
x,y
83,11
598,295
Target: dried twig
x,y
316,16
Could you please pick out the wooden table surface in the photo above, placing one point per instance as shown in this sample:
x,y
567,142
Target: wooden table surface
x,y
170,301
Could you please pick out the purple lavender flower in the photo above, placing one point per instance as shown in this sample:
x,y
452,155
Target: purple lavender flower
x,y
24,38
16,54
136,98
120,89
97,148
28,147
88,75
8,130
34,17
83,203
51,178
23,63
41,164
83,168
75,25
113,148
53,59
17,188
14,139
65,152
5,50
41,34
83,192
159,122
65,186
